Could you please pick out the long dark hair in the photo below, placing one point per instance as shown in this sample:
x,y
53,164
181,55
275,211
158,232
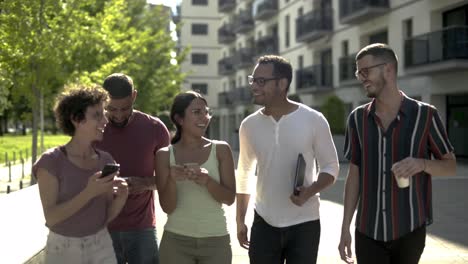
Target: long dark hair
x,y
180,103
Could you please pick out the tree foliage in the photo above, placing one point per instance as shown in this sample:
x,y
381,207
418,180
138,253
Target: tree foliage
x,y
46,44
334,110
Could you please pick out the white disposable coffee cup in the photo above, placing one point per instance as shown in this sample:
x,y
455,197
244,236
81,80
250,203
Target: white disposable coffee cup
x,y
401,181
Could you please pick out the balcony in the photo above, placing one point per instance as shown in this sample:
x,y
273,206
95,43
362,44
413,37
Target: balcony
x,y
265,9
266,45
347,68
315,78
438,51
225,6
226,66
226,34
244,58
225,99
242,95
243,22
314,25
356,11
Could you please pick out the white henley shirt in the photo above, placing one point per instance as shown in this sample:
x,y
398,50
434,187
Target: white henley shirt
x,y
273,146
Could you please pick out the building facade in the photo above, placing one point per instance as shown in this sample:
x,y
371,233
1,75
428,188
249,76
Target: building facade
x,y
320,38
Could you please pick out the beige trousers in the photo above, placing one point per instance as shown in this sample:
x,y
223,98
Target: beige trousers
x,y
180,249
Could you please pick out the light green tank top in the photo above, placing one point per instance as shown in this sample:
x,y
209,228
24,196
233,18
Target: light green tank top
x,y
197,213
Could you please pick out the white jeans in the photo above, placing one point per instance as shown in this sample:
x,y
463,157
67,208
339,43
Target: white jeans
x,y
91,249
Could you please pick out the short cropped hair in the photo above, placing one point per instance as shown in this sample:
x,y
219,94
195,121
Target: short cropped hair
x,y
282,68
381,51
118,85
72,102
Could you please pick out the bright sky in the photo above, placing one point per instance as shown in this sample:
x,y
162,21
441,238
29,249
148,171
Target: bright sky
x,y
171,3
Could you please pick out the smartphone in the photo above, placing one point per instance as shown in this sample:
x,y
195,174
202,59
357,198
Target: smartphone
x,y
191,165
109,168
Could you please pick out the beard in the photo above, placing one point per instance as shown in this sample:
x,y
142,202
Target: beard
x,y
376,87
119,124
257,102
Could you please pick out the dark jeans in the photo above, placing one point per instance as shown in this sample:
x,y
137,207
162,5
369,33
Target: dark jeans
x,y
297,244
405,250
136,247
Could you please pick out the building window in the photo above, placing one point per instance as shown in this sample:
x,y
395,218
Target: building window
x,y
381,37
345,48
199,29
199,58
200,88
199,2
286,32
408,28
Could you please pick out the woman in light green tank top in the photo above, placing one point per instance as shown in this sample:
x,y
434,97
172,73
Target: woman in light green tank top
x,y
195,177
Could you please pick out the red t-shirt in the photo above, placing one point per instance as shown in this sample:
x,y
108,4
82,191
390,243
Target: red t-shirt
x,y
134,147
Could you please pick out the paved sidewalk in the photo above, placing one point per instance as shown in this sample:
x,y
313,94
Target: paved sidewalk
x,y
446,243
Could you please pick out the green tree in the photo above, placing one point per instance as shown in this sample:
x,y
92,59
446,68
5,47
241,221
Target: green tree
x,y
35,36
334,110
46,44
136,41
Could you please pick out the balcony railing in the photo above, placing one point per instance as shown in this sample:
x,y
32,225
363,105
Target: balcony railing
x,y
437,51
356,11
225,6
314,78
242,95
266,45
347,68
226,66
314,24
225,99
244,58
243,21
226,34
264,9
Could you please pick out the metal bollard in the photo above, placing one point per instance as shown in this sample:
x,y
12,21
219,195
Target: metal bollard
x,y
9,171
8,189
6,158
22,168
21,185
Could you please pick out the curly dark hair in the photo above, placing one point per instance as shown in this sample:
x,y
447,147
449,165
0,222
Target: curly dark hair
x,y
72,102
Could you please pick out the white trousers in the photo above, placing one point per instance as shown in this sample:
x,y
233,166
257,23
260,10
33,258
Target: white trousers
x,y
93,249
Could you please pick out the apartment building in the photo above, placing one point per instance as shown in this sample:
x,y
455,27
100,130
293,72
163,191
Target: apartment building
x,y
321,38
200,23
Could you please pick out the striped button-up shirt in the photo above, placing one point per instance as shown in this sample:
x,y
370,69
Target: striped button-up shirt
x,y
385,211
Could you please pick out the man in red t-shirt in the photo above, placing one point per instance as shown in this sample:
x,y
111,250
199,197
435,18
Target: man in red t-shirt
x,y
132,138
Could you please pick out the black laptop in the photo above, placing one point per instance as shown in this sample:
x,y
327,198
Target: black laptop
x,y
300,173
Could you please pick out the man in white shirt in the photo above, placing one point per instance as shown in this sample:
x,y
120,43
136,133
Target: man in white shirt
x,y
285,226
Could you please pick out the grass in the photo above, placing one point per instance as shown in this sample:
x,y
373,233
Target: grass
x,y
16,146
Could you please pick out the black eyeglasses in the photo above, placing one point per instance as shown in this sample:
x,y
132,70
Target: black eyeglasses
x,y
260,80
364,72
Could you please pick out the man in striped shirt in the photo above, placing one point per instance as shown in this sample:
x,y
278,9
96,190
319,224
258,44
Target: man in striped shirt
x,y
391,137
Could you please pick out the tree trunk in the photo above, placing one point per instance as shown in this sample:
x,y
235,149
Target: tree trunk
x,y
35,120
1,125
41,109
